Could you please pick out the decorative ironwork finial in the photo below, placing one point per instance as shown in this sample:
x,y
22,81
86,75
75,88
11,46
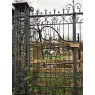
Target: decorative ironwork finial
x,y
58,12
50,12
54,11
37,11
41,13
45,11
73,2
73,5
63,10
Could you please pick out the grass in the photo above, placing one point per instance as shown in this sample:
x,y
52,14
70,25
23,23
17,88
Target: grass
x,y
54,84
61,57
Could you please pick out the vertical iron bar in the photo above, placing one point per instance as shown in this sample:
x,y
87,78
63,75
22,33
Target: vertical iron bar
x,y
27,48
78,48
74,54
15,46
78,38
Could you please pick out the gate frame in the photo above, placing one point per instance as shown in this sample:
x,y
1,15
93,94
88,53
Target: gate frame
x,y
26,9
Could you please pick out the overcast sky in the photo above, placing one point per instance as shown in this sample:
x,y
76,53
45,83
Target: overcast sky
x,y
49,4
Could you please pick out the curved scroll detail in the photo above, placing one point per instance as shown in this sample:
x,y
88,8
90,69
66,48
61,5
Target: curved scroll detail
x,y
34,35
81,20
78,18
54,20
69,7
71,19
78,7
53,29
73,7
45,22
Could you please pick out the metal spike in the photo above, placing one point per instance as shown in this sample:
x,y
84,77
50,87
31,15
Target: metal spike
x,y
58,12
41,13
54,11
49,12
63,10
37,11
45,11
73,2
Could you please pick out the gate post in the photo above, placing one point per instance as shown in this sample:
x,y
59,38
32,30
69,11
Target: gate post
x,y
27,48
21,36
14,48
74,52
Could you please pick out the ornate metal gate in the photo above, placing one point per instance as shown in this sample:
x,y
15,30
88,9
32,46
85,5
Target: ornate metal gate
x,y
47,55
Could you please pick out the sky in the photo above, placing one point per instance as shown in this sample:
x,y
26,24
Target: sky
x,y
49,4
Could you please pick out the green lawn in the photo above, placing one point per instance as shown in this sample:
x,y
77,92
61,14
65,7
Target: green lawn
x,y
54,84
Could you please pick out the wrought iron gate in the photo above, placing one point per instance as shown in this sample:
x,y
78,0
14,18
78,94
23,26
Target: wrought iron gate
x,y
47,57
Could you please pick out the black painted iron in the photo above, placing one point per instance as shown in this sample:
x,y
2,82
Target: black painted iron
x,y
45,51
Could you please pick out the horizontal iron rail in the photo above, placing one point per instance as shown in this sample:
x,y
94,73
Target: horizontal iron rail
x,y
57,24
60,86
49,24
60,77
50,15
68,14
